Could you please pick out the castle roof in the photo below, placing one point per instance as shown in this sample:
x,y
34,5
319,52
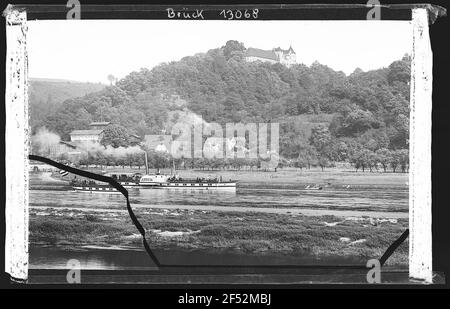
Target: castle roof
x,y
260,53
285,51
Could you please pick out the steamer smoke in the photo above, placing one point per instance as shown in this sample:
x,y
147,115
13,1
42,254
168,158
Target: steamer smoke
x,y
119,152
45,141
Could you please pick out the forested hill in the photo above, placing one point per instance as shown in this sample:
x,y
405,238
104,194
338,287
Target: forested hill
x,y
366,110
46,95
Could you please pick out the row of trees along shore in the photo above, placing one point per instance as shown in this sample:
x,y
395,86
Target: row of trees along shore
x,y
382,160
321,150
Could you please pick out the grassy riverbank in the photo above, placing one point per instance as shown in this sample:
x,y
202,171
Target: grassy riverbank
x,y
245,233
337,175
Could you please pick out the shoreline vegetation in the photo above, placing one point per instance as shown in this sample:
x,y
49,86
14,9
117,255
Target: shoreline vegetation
x,y
342,175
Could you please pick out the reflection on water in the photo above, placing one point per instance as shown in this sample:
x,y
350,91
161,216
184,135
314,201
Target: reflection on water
x,y
57,258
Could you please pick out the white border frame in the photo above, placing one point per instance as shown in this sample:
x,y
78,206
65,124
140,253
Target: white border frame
x,y
17,143
420,245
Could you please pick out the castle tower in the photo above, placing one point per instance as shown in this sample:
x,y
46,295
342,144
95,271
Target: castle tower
x,y
286,57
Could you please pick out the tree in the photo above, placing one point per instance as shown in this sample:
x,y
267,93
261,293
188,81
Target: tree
x,y
358,121
399,132
111,160
159,159
362,159
320,137
323,162
301,162
372,161
400,71
339,151
403,159
308,156
233,106
138,159
129,159
292,140
100,159
384,157
111,79
373,139
121,161
395,160
116,136
233,48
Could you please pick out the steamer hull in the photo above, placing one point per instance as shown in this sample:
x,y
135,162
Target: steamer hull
x,y
165,181
96,189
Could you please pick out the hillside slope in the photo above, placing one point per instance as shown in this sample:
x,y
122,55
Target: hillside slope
x,y
363,111
46,95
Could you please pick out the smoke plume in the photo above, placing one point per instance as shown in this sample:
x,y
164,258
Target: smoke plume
x,y
43,141
119,152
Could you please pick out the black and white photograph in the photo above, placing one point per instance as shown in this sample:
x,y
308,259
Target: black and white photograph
x,y
334,188
239,143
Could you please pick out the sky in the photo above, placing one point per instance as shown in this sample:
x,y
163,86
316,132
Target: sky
x,y
90,50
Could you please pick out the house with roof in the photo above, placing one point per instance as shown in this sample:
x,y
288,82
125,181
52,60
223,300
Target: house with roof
x,y
286,57
86,136
93,134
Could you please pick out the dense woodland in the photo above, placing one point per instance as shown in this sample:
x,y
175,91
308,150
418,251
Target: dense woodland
x,y
324,115
45,95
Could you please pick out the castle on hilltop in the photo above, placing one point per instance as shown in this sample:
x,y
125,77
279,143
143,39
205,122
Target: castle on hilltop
x,y
277,55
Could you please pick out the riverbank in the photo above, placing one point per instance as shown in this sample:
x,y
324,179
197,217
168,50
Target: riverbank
x,y
339,176
244,233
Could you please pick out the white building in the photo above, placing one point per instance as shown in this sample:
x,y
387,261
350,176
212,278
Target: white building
x,y
94,134
86,136
277,55
287,57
